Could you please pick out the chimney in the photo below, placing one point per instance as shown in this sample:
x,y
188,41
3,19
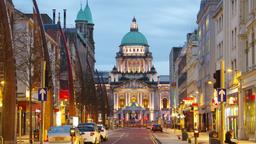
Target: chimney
x,y
64,17
53,15
59,17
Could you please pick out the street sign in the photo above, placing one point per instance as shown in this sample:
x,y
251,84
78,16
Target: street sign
x,y
42,94
221,94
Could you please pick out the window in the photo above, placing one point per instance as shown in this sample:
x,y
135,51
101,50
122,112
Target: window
x,y
235,38
232,39
246,55
199,33
253,49
207,23
235,66
233,7
165,103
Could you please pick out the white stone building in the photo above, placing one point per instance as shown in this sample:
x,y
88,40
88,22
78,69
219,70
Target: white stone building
x,y
138,94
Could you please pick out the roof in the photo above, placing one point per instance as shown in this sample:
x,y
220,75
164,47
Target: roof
x,y
85,15
80,15
134,38
45,18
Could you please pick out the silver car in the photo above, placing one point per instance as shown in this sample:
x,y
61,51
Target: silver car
x,y
61,134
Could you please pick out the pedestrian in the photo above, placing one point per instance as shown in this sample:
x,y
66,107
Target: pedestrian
x,y
228,138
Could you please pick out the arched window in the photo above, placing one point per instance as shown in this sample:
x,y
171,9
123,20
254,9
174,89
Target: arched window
x,y
121,102
134,99
165,103
145,103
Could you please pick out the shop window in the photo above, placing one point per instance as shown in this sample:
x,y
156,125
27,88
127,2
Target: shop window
x,y
250,112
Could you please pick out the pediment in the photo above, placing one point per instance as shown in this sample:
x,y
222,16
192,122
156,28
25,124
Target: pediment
x,y
133,84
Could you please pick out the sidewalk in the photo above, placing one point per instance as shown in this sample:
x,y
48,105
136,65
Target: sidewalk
x,y
24,140
202,139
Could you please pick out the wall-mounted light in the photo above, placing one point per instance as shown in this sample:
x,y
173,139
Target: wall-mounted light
x,y
209,82
229,70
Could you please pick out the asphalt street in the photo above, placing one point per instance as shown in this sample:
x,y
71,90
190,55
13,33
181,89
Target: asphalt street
x,y
130,136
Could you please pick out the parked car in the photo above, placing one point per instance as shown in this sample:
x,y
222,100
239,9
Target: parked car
x,y
61,134
90,133
103,132
157,127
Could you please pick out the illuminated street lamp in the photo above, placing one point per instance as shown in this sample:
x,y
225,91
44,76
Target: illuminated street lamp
x,y
2,82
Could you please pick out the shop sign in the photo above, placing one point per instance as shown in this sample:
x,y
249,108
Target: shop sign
x,y
64,94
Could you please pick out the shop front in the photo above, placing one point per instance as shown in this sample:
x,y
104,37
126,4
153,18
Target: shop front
x,y
231,113
247,113
250,113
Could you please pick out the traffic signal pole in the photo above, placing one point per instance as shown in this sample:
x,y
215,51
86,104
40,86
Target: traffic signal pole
x,y
222,111
42,102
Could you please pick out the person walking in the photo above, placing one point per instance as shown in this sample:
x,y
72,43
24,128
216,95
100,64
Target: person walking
x,y
228,137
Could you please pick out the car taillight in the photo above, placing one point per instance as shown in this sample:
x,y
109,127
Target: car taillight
x,y
92,133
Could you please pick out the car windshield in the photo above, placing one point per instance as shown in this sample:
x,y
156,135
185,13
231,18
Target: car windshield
x,y
60,129
156,126
100,127
85,128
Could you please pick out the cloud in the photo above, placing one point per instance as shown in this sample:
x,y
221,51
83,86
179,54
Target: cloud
x,y
165,24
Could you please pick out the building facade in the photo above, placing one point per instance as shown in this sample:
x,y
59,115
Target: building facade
x,y
138,96
247,113
206,45
175,51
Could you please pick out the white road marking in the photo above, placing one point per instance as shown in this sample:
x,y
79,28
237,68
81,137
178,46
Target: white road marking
x,y
119,138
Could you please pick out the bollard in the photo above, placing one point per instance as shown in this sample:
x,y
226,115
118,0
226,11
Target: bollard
x,y
196,135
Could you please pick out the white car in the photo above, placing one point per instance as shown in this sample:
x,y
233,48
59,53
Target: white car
x,y
103,132
61,134
90,133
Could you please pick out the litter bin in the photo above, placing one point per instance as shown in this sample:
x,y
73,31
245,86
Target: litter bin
x,y
36,135
213,138
184,135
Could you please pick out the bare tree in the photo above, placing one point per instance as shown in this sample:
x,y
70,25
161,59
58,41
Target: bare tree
x,y
27,53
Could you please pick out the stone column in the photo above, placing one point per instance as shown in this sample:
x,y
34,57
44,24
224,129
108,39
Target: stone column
x,y
129,98
144,67
160,101
141,99
150,101
126,99
114,100
152,98
117,99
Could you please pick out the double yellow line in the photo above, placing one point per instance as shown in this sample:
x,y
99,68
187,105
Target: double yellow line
x,y
153,138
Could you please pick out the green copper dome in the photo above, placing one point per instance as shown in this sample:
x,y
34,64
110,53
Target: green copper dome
x,y
80,15
88,14
85,15
134,38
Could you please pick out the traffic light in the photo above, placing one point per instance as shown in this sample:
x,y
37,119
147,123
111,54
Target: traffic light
x,y
217,78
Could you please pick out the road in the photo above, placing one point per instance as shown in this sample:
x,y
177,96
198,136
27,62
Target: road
x,y
130,136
